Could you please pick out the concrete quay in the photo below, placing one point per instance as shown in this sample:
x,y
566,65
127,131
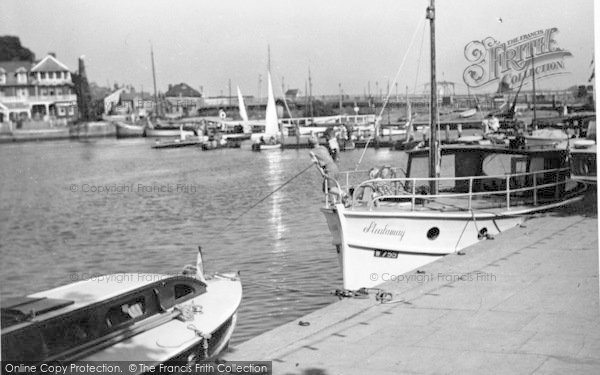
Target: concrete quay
x,y
523,303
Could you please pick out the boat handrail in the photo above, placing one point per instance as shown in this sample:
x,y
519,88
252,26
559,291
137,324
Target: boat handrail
x,y
411,190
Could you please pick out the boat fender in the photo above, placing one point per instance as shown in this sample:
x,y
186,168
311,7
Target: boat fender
x,y
484,234
205,338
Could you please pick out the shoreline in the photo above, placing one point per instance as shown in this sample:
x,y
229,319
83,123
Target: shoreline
x,y
535,310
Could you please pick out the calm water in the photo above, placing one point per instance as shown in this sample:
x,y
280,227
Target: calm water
x,y
161,205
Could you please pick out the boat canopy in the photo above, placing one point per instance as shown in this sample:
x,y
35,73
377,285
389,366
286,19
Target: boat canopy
x,y
39,329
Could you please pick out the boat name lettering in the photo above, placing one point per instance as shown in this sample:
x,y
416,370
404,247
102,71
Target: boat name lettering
x,y
385,230
508,63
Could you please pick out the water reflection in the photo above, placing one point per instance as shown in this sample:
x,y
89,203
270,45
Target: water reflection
x,y
275,173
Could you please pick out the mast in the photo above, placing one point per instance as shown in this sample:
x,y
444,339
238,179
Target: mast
x,y
433,146
154,82
312,114
533,81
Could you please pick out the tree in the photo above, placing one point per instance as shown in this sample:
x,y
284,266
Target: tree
x,y
82,89
12,50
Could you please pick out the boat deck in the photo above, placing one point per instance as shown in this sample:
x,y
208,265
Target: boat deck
x,y
493,205
526,302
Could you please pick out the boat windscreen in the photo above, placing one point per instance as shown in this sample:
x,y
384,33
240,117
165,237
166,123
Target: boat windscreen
x,y
20,309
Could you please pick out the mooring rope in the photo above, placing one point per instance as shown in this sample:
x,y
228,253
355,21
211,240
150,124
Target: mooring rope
x,y
268,195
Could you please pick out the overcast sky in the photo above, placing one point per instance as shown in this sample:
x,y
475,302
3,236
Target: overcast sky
x,y
348,42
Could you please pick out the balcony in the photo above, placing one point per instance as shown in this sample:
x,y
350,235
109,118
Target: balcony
x,y
39,98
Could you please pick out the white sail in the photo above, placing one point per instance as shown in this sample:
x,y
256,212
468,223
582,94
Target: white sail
x,y
271,124
242,106
243,113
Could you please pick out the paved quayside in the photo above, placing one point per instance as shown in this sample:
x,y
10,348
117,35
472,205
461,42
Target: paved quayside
x,y
534,310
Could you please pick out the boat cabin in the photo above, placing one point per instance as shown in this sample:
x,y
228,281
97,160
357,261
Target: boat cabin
x,y
44,329
488,168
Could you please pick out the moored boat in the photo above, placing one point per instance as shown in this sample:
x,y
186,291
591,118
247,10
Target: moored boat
x,y
271,124
124,317
265,147
125,130
168,132
547,137
583,156
387,221
176,143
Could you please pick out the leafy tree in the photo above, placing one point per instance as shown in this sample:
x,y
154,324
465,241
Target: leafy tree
x,y
12,50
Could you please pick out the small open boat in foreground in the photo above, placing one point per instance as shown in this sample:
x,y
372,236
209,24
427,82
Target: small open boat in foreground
x,y
124,317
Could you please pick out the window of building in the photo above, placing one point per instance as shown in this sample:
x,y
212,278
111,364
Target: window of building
x,y
71,111
2,78
21,78
61,111
43,75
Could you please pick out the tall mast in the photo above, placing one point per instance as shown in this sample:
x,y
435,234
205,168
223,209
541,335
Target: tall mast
x,y
154,82
433,146
310,94
269,58
533,81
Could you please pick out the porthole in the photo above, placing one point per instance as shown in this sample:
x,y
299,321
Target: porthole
x,y
433,233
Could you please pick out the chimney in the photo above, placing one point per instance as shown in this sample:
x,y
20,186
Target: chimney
x,y
53,54
81,66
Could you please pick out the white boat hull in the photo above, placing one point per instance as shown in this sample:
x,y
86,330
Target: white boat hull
x,y
265,147
151,133
401,239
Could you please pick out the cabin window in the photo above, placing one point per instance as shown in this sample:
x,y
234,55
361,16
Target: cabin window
x,y
500,164
419,167
518,166
447,170
125,312
182,290
64,335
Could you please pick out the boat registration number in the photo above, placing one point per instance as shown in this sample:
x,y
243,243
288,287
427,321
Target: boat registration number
x,y
386,254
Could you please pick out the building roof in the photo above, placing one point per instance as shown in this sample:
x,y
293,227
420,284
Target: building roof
x,y
10,68
50,64
129,96
182,90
